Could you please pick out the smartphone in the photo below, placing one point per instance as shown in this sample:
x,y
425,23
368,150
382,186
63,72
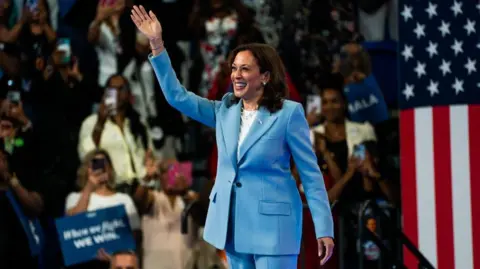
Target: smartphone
x,y
13,96
64,46
177,169
314,101
98,164
359,152
111,100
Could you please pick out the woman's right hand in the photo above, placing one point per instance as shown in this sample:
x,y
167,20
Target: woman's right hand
x,y
147,23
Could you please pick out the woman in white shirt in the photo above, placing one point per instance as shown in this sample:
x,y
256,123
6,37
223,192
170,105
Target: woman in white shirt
x,y
96,179
104,33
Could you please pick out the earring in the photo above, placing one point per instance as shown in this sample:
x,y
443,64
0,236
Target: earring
x,y
264,84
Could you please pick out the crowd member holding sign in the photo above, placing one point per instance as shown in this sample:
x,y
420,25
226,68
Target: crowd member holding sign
x,y
96,179
255,209
162,221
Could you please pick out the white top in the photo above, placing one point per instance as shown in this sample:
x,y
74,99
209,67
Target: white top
x,y
146,80
99,202
164,245
246,122
107,49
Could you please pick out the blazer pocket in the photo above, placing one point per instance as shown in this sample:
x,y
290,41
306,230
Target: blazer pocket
x,y
274,208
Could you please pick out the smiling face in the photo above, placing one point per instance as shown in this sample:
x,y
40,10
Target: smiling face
x,y
246,77
333,105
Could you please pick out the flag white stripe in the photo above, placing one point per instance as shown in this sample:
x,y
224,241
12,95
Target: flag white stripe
x,y
425,177
462,210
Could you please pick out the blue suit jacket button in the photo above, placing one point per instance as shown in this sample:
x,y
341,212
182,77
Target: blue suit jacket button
x,y
238,184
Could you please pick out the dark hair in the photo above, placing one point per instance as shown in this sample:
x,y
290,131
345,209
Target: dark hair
x,y
358,61
138,129
124,252
338,89
268,60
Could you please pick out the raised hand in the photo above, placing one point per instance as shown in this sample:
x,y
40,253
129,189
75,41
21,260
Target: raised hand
x,y
147,23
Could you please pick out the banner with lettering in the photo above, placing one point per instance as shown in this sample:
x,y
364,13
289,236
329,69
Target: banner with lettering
x,y
82,235
366,102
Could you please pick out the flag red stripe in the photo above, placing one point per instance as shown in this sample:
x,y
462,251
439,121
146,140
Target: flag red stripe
x,y
474,138
408,182
443,187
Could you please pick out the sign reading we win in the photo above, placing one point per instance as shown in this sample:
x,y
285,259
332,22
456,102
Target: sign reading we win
x,y
82,235
96,234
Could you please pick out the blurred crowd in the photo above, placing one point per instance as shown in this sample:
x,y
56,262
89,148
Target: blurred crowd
x,y
84,125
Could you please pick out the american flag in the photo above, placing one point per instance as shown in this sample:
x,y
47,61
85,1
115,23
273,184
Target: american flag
x,y
439,80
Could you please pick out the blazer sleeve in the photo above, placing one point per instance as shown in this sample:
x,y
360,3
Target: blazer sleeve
x,y
188,103
298,139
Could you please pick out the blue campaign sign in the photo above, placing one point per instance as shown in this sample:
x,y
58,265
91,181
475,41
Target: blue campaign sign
x,y
366,102
82,235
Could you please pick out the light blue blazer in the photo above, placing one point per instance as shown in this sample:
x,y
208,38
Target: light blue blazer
x,y
268,209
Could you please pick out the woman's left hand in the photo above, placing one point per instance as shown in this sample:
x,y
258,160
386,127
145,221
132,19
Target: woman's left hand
x,y
327,244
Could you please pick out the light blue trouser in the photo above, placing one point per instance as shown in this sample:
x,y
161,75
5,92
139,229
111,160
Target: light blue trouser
x,y
253,261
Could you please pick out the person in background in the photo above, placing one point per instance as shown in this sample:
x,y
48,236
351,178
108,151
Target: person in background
x,y
14,246
16,132
57,124
113,38
37,40
256,129
10,33
335,138
124,260
96,180
118,129
215,23
161,222
365,98
374,183
165,125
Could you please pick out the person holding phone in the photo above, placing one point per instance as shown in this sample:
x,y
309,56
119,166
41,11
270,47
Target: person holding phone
x,y
163,207
112,38
335,139
96,181
255,208
118,129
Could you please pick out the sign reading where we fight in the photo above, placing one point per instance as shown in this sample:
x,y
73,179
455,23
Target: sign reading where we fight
x,y
82,235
